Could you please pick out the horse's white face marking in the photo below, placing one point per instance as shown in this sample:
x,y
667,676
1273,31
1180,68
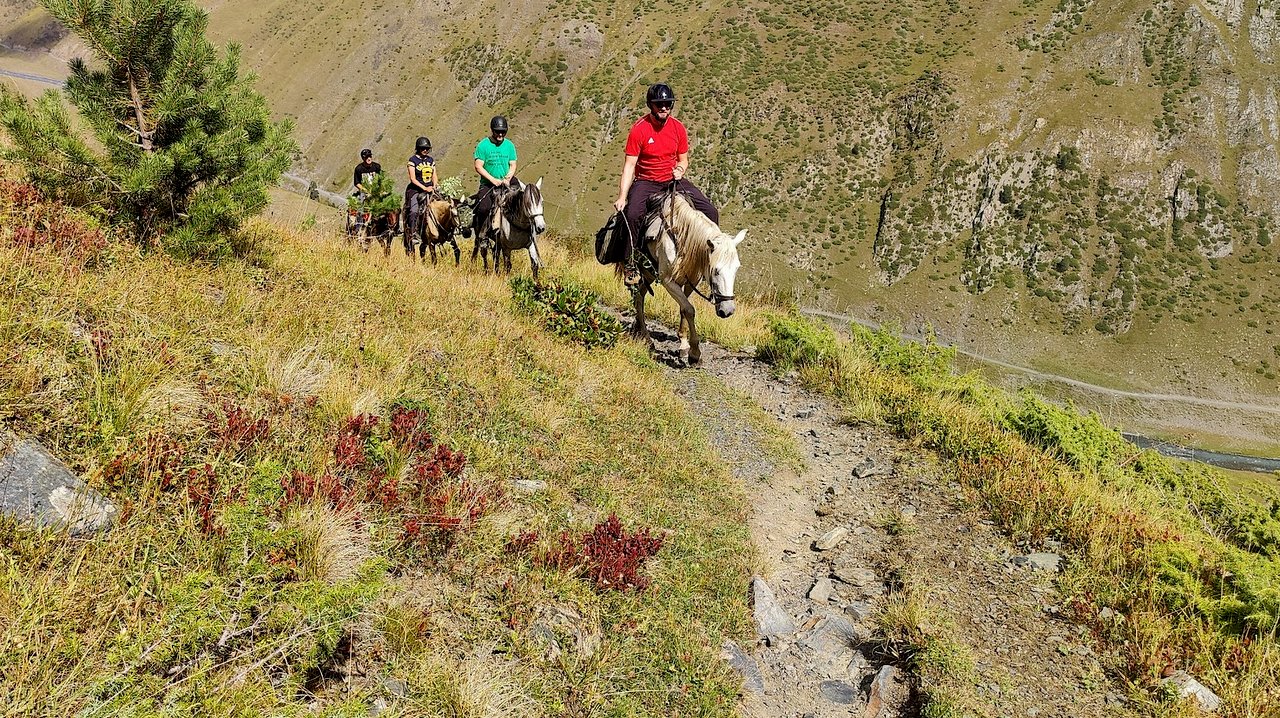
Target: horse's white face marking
x,y
533,207
724,269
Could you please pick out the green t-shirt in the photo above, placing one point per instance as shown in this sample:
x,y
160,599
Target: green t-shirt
x,y
497,158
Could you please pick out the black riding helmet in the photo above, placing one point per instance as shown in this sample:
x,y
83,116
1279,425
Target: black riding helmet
x,y
659,92
422,144
366,154
498,124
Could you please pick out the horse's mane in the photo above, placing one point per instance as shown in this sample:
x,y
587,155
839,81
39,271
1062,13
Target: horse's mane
x,y
693,233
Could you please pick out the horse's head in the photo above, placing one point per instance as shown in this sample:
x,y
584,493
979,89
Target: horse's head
x,y
724,268
530,198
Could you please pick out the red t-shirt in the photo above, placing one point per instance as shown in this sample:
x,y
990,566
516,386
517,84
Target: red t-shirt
x,y
658,149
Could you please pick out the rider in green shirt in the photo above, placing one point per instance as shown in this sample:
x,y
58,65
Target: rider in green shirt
x,y
495,162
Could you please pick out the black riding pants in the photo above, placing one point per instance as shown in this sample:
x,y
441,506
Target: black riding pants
x,y
484,198
642,191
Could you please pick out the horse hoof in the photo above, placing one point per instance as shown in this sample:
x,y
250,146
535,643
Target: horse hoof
x,y
694,360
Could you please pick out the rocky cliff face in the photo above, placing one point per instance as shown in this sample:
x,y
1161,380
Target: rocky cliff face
x,y
1104,216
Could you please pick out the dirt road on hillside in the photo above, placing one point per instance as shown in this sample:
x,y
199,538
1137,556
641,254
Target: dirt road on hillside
x,y
871,524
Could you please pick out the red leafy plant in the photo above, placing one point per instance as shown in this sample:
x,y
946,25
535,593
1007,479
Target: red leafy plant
x,y
202,492
235,429
156,458
433,503
608,555
36,224
349,453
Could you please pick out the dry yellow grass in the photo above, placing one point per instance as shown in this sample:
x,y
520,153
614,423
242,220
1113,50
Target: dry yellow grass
x,y
101,364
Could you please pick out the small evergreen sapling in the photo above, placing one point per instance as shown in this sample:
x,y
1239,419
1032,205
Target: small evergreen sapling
x,y
183,148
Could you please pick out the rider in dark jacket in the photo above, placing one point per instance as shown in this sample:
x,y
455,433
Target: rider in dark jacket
x,y
366,167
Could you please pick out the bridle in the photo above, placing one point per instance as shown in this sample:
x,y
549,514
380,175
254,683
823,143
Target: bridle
x,y
528,215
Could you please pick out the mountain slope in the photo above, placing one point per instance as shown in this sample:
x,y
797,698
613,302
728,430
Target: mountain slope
x,y
1088,169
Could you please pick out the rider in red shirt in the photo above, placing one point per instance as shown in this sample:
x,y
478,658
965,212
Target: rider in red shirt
x,y
657,152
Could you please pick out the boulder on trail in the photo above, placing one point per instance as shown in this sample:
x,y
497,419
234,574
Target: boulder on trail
x,y
771,618
831,539
40,491
744,665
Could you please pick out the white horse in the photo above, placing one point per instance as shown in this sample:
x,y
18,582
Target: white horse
x,y
689,248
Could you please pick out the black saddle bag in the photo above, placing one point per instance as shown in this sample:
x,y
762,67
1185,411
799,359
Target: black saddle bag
x,y
611,240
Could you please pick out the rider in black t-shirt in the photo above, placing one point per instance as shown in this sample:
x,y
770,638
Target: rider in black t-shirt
x,y
366,167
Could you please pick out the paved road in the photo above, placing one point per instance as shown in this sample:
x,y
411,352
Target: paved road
x,y
1076,383
28,76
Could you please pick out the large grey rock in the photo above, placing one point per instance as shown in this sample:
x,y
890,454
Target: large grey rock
x,y
831,539
859,610
38,489
771,618
832,637
880,699
1189,687
855,575
744,665
822,590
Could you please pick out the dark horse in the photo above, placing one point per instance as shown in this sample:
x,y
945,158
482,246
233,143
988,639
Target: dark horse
x,y
363,228
516,224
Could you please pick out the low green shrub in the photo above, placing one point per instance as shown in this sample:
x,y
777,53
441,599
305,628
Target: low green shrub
x,y
567,310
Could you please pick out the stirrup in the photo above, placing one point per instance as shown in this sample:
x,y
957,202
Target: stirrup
x,y
631,276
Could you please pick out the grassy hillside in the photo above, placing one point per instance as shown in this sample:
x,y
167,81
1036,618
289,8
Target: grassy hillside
x,y
1022,176
316,457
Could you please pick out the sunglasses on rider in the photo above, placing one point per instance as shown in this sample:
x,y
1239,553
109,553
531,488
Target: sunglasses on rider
x,y
663,105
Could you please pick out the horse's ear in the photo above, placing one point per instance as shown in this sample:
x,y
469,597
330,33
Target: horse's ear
x,y
737,239
538,184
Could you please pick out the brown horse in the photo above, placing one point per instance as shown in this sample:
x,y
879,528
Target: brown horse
x,y
437,225
382,229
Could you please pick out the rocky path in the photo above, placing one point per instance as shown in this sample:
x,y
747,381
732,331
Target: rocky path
x,y
872,522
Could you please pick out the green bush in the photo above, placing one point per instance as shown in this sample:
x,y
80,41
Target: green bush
x,y
180,149
567,310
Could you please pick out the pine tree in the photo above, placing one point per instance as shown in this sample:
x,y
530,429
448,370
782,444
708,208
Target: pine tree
x,y
183,148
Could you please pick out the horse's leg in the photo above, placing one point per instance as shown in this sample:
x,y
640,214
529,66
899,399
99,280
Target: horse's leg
x,y
432,247
457,253
534,260
689,349
693,342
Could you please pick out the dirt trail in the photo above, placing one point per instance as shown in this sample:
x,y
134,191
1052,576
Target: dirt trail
x,y
908,524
